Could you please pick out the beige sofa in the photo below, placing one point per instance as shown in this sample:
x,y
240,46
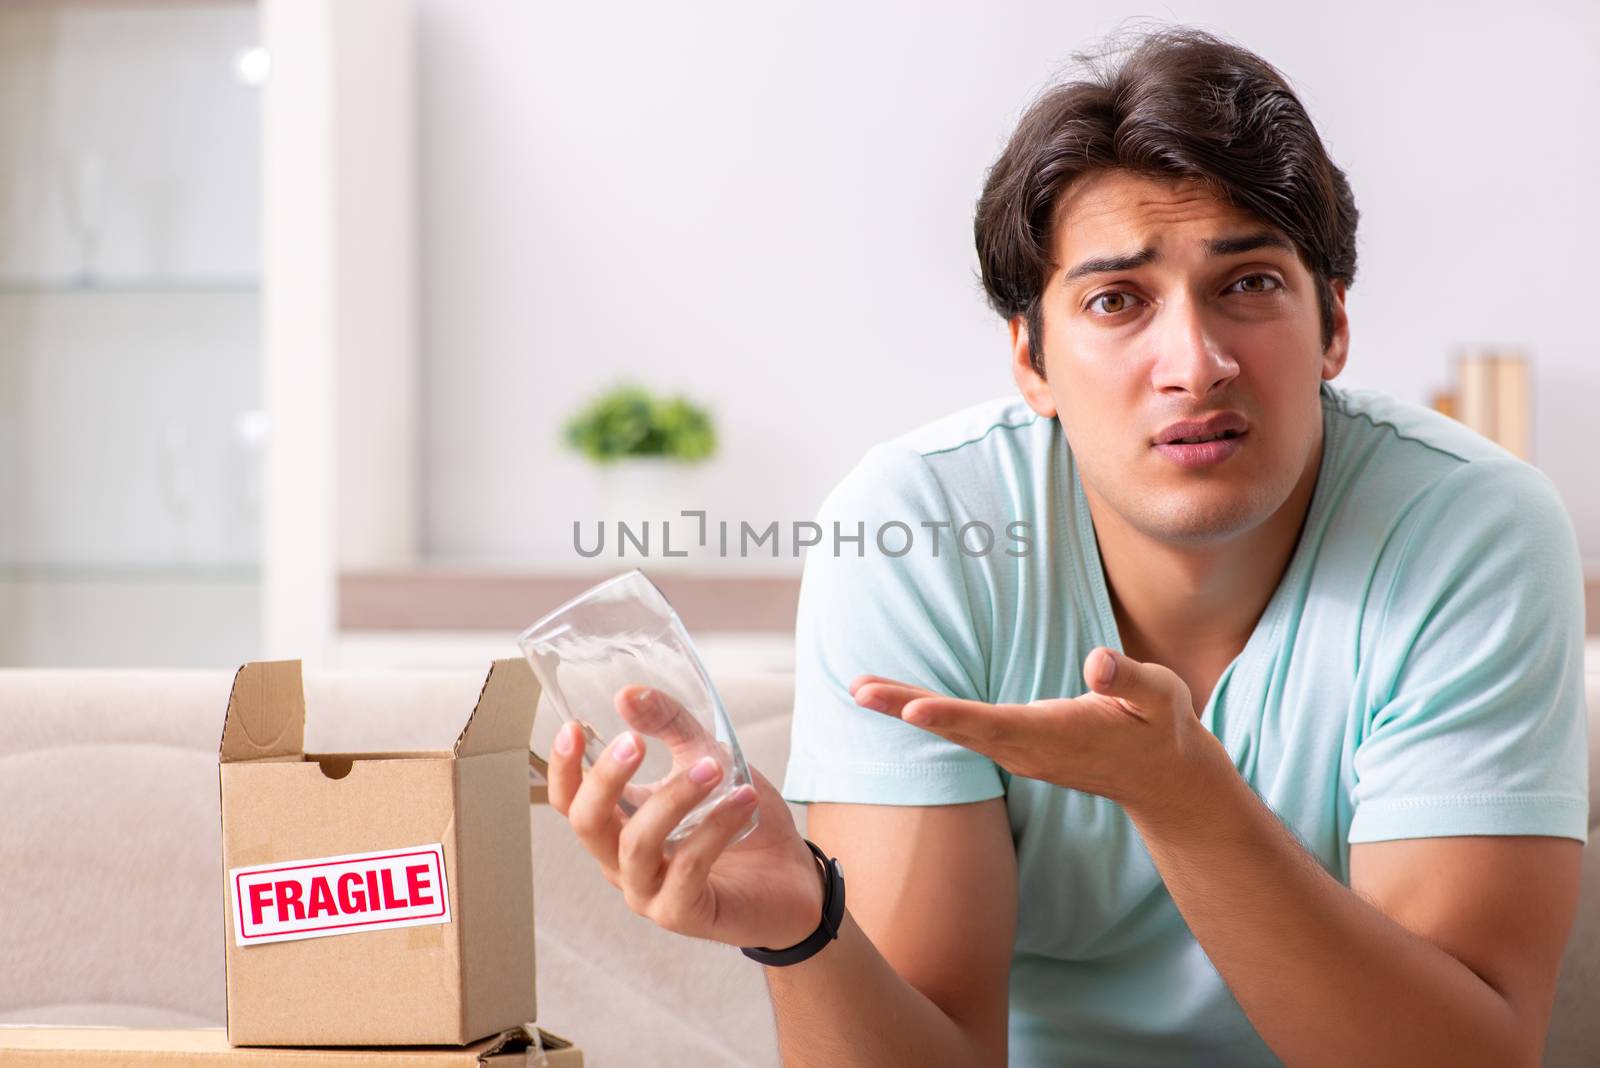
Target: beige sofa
x,y
109,867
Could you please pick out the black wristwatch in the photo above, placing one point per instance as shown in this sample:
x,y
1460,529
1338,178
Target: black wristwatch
x,y
827,930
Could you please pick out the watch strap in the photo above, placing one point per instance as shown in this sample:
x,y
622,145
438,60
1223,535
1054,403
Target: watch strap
x,y
827,930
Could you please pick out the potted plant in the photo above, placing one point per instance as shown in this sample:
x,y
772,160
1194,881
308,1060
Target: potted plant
x,y
645,446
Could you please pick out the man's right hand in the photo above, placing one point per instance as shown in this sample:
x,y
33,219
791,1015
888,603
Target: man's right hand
x,y
765,890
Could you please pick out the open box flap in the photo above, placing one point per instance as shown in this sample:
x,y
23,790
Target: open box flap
x,y
266,712
503,718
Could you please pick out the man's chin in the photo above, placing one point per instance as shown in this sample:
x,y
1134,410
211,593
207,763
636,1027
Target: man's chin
x,y
1203,520
1188,511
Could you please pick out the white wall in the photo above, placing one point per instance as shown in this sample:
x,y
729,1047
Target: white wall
x,y
771,210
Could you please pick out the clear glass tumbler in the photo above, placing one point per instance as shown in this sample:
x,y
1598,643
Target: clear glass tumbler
x,y
623,633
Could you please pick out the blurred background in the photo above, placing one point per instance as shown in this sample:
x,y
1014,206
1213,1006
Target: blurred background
x,y
323,321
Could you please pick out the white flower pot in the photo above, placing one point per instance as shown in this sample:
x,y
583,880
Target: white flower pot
x,y
647,494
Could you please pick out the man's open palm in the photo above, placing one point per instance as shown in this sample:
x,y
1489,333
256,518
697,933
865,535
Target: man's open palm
x,y
1125,739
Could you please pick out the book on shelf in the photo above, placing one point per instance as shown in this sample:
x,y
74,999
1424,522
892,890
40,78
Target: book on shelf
x,y
1493,396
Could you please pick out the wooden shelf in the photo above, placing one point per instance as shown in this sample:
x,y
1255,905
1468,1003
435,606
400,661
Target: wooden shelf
x,y
445,600
484,600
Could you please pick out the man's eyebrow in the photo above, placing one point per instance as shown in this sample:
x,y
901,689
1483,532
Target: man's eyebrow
x,y
1110,264
1232,246
1218,246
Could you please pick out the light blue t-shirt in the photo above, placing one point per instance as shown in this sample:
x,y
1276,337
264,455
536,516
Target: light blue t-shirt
x,y
1417,672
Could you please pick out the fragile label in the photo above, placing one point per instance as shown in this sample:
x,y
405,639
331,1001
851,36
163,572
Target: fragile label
x,y
346,894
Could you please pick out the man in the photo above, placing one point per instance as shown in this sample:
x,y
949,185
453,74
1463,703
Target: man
x,y
1270,747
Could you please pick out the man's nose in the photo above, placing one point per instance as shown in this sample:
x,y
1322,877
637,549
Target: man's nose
x,y
1190,356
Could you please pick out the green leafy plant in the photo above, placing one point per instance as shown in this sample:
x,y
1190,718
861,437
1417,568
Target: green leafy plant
x,y
631,421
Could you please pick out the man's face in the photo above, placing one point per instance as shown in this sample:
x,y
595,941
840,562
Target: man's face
x,y
1167,305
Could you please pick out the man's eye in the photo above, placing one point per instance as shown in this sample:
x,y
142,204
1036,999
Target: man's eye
x,y
1257,283
1111,303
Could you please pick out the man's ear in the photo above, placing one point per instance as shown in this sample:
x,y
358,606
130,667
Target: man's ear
x,y
1339,348
1035,390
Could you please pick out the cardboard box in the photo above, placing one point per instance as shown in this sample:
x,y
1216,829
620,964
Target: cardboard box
x,y
376,899
59,1047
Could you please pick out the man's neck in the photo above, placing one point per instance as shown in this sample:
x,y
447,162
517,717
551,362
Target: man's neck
x,y
1186,605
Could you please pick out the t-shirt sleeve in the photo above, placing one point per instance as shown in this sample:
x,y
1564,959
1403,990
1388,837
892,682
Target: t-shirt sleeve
x,y
869,608
1476,722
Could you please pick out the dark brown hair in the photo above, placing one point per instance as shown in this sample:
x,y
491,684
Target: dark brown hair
x,y
1178,103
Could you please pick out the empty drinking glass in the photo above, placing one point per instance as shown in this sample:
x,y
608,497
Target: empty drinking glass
x,y
624,633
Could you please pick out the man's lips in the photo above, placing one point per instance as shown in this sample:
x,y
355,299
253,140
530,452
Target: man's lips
x,y
1202,454
1215,425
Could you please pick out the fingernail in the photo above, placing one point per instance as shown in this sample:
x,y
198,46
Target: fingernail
x,y
564,740
705,769
1108,668
624,749
744,795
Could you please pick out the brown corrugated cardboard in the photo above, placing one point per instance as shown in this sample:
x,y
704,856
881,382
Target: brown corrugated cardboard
x,y
538,779
60,1047
402,882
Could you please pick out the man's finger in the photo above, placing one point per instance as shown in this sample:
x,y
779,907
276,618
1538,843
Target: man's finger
x,y
660,715
691,861
593,810
889,696
564,773
867,680
1145,686
640,852
970,721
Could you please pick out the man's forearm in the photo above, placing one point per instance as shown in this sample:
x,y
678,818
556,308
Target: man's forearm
x,y
847,1007
1325,978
